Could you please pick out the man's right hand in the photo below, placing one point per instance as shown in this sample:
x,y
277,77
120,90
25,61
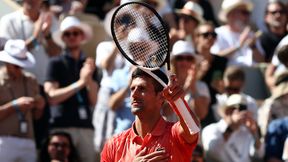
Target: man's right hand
x,y
156,156
25,103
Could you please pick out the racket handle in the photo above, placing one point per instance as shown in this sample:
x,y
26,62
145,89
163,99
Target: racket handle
x,y
185,114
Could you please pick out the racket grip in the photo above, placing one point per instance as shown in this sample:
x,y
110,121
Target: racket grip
x,y
185,114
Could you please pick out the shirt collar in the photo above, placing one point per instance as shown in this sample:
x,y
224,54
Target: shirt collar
x,y
68,55
158,130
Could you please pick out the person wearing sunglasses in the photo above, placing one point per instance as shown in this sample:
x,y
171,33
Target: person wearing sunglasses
x,y
233,83
58,147
189,17
71,85
20,103
236,137
212,67
276,19
236,40
184,63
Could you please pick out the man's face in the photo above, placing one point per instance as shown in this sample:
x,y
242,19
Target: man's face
x,y
32,4
59,148
239,17
206,36
144,99
13,71
233,87
276,15
187,23
73,37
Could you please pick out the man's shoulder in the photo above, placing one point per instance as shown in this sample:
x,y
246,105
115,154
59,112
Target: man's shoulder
x,y
16,15
120,138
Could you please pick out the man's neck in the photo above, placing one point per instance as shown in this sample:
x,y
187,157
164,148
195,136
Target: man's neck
x,y
205,52
75,53
145,126
279,31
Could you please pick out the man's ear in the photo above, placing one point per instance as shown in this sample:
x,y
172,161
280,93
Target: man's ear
x,y
161,97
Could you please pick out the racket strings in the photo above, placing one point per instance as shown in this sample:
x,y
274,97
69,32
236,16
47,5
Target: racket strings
x,y
141,35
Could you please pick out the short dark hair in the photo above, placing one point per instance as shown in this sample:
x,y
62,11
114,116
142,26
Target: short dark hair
x,y
282,55
275,2
44,155
234,73
157,86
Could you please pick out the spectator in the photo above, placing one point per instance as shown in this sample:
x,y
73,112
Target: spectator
x,y
275,107
35,28
189,18
111,62
279,63
58,147
20,102
235,137
184,63
277,134
276,21
212,68
235,40
151,137
234,80
72,86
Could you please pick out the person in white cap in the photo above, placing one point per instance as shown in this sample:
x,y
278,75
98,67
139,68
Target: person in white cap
x,y
20,103
235,39
189,18
184,63
236,136
72,85
35,27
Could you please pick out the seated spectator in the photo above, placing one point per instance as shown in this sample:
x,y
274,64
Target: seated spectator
x,y
188,19
277,134
279,63
236,136
184,64
276,19
234,80
276,106
72,87
20,103
212,67
58,147
235,40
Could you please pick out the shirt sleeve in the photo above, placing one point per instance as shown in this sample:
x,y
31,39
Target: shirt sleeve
x,y
107,152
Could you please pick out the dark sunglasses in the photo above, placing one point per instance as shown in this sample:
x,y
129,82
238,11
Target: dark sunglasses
x,y
184,58
74,33
59,144
233,89
208,34
281,12
240,107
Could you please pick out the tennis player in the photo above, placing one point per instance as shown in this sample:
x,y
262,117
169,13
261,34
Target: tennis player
x,y
151,138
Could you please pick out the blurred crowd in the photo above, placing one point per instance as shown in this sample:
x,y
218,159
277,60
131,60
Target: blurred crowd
x,y
64,86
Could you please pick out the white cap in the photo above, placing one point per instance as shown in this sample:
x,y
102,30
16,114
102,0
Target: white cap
x,y
184,48
229,5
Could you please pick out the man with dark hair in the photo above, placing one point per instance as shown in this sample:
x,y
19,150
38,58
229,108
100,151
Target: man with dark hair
x,y
276,20
151,137
233,82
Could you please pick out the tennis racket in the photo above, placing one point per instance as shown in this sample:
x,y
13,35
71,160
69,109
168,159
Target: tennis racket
x,y
142,38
